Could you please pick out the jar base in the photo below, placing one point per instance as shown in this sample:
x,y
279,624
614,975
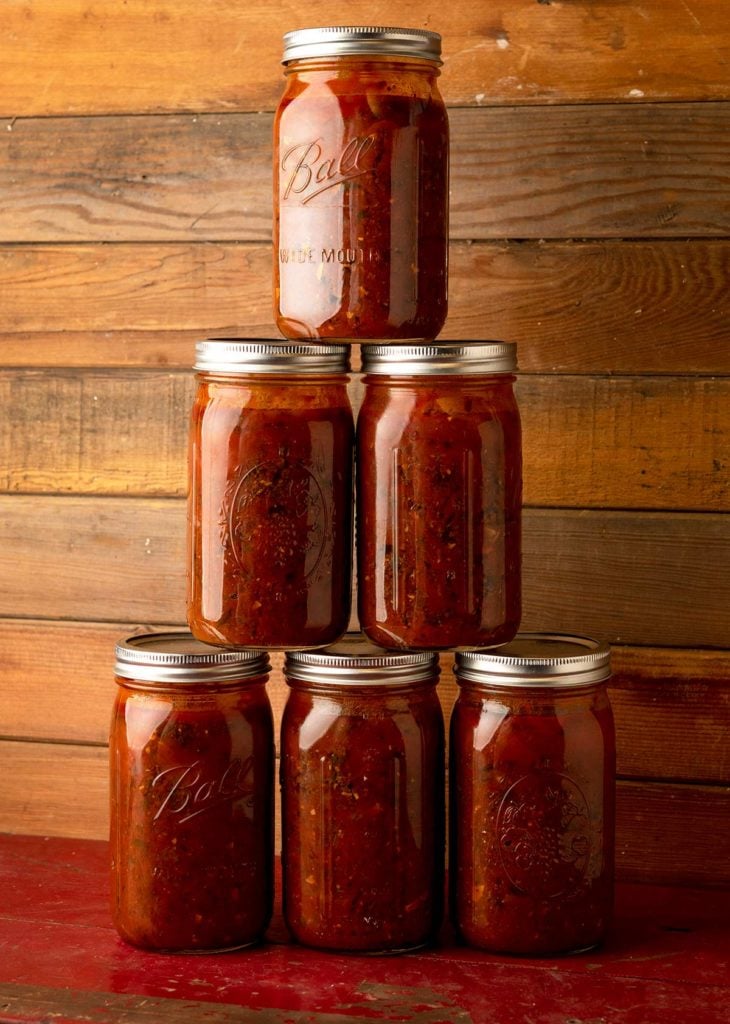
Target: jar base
x,y
398,951
496,950
208,951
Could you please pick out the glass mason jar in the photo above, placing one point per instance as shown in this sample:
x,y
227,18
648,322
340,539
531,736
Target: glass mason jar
x,y
532,796
270,499
439,496
192,811
362,752
361,190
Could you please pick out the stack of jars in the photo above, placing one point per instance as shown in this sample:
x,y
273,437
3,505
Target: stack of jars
x,y
361,231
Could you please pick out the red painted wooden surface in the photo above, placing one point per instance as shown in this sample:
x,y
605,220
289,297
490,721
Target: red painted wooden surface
x,y
668,961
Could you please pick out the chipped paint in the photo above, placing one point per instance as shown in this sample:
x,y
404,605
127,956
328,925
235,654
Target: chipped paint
x,y
409,1003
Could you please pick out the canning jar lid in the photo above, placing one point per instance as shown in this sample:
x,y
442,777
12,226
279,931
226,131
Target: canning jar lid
x,y
362,40
538,659
177,657
441,358
243,355
354,661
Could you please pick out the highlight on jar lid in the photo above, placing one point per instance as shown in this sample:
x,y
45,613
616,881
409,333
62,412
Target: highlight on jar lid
x,y
443,358
177,657
242,355
362,40
538,659
354,660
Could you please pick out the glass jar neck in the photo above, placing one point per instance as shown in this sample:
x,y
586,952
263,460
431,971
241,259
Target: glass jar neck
x,y
358,691
539,694
191,688
292,378
441,379
363,64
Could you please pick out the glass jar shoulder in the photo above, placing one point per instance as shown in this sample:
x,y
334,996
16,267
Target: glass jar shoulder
x,y
326,103
273,412
368,724
166,724
318,396
526,728
352,77
445,406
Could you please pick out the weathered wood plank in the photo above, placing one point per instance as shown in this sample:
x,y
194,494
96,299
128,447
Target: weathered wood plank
x,y
588,442
650,691
113,432
136,178
650,579
589,171
672,707
54,789
682,832
646,578
592,172
665,833
615,442
135,287
62,57
572,307
108,559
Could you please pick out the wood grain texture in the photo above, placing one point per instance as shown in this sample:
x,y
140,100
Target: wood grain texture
x,y
54,789
665,833
646,578
694,850
118,559
63,57
654,443
589,171
672,707
114,432
588,442
675,726
611,307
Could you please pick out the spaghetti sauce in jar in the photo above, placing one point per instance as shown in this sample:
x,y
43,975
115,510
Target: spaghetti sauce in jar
x,y
532,796
361,149
362,750
192,811
270,499
439,496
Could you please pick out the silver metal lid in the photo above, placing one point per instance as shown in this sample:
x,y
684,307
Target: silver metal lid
x,y
441,358
362,40
238,355
538,659
354,661
177,657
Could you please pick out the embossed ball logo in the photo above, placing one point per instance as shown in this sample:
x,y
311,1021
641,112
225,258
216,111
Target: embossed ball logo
x,y
284,502
544,834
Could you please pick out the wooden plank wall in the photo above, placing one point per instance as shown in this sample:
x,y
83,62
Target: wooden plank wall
x,y
590,223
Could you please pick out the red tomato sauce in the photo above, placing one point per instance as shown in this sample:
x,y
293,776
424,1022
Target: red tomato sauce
x,y
270,511
192,816
532,819
361,200
362,813
439,511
